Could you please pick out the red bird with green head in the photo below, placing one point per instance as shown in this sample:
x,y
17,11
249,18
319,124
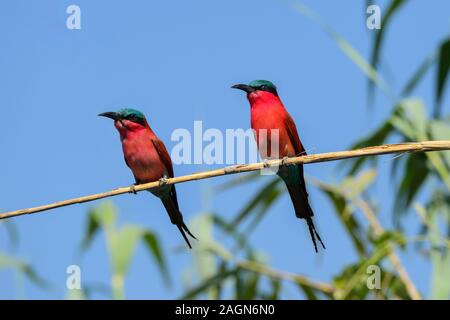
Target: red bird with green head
x,y
148,159
267,114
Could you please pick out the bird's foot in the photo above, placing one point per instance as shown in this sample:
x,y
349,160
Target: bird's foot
x,y
133,189
163,181
283,161
266,163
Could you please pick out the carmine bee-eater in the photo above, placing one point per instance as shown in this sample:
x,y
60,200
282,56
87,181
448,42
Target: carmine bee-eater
x,y
268,113
148,159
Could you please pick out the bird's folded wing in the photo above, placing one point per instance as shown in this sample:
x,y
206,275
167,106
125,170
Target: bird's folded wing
x,y
293,136
163,155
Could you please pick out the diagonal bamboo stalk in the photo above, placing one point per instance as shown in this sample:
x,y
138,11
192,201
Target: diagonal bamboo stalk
x,y
424,146
393,257
377,229
273,273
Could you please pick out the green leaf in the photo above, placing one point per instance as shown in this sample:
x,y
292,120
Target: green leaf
x,y
387,16
352,282
91,229
276,289
205,263
249,285
12,232
415,173
309,292
205,285
440,252
359,289
395,237
87,292
257,207
391,286
378,137
104,216
418,75
441,274
22,267
342,196
263,209
353,187
345,215
123,247
411,119
241,240
442,71
121,244
440,130
370,72
154,248
76,294
412,122
262,200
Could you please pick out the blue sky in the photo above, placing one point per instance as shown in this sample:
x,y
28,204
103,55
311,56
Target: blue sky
x,y
176,61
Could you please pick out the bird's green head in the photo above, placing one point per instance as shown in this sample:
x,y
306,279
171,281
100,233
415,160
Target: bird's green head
x,y
129,114
257,85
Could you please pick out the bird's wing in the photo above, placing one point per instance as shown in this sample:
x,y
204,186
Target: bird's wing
x,y
165,158
293,136
300,199
298,147
171,203
163,155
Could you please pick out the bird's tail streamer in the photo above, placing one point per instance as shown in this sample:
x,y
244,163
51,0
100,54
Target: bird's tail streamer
x,y
182,227
313,232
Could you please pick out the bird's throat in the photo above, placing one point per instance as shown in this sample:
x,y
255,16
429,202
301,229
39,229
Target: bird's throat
x,y
263,98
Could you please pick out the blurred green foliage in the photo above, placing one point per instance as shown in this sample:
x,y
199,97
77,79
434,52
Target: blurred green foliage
x,y
121,243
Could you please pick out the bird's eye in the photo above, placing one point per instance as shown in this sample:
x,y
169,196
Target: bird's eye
x,y
264,87
136,119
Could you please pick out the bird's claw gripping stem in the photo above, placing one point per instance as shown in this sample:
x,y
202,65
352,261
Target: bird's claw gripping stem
x,y
133,189
163,181
283,161
266,163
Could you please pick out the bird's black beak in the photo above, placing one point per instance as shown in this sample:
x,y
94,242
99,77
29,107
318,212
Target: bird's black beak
x,y
244,87
111,115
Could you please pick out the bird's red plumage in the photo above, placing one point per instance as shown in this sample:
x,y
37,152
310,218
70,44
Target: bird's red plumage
x,y
148,159
144,153
268,113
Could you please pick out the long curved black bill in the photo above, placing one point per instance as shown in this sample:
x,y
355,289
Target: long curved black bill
x,y
244,87
111,115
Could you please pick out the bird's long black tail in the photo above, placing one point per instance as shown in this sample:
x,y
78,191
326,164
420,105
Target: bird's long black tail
x,y
182,227
171,205
299,198
313,232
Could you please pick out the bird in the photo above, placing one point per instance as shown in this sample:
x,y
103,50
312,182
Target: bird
x,y
268,114
147,157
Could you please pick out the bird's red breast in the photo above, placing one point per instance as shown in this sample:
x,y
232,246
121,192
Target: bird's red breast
x,y
268,113
142,152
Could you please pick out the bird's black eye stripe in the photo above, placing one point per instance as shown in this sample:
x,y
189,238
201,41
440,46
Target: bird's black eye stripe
x,y
268,89
136,119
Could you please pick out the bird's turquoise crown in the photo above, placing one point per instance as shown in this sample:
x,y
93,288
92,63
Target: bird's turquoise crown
x,y
129,112
261,83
